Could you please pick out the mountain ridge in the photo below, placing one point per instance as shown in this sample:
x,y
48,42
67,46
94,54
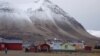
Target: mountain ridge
x,y
45,22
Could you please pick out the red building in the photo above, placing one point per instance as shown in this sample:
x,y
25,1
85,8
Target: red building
x,y
39,48
11,44
88,48
45,47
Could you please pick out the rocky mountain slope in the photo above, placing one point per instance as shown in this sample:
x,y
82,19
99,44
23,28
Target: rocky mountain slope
x,y
45,21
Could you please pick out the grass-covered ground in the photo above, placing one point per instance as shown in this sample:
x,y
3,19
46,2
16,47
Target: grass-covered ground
x,y
21,53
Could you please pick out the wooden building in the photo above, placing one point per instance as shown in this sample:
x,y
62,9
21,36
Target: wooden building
x,y
44,47
68,47
11,43
88,48
78,45
55,44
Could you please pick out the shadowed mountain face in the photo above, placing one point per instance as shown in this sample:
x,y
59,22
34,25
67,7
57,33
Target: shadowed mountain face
x,y
46,21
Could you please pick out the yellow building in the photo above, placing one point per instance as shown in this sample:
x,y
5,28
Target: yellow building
x,y
72,46
67,46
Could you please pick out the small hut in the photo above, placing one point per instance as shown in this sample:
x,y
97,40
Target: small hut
x,y
88,48
45,47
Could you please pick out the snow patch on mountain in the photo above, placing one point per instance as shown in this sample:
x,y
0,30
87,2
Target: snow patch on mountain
x,y
42,20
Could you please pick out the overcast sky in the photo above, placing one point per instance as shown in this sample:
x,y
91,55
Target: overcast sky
x,y
87,12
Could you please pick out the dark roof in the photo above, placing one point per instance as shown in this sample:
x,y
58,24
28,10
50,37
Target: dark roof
x,y
12,38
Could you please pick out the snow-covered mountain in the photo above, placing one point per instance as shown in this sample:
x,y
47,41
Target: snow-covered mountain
x,y
45,21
